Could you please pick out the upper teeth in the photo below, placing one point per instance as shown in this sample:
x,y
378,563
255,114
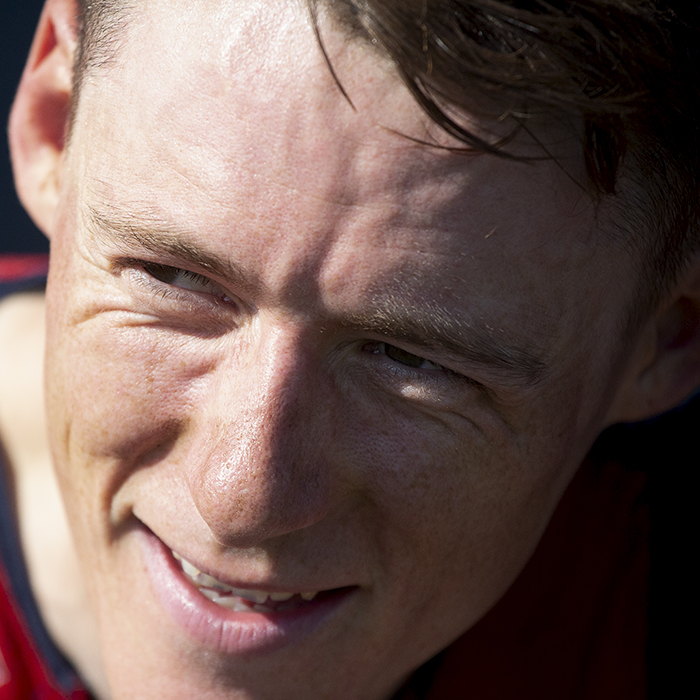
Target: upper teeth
x,y
202,580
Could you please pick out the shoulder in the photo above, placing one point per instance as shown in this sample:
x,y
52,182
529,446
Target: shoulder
x,y
22,279
21,374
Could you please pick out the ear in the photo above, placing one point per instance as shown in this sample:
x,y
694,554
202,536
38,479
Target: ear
x,y
40,114
665,367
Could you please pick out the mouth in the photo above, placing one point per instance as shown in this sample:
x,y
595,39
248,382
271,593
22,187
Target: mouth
x,y
242,599
234,620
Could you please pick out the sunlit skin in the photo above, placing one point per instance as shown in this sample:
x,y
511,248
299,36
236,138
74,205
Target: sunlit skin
x,y
306,353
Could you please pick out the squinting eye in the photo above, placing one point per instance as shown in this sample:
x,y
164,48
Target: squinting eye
x,y
183,279
402,357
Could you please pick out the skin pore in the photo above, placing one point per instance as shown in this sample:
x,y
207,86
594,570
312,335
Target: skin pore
x,y
307,354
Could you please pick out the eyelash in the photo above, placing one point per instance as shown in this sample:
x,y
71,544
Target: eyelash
x,y
404,358
436,375
158,272
159,279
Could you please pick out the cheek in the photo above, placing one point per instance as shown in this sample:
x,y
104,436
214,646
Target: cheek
x,y
461,513
117,397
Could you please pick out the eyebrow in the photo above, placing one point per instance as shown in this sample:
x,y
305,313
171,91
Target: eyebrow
x,y
138,232
432,328
427,327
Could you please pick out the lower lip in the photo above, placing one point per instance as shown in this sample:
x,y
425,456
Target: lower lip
x,y
225,631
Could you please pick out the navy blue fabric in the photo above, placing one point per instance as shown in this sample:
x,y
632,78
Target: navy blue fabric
x,y
27,284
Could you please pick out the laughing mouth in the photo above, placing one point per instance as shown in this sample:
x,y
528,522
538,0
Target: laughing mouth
x,y
241,599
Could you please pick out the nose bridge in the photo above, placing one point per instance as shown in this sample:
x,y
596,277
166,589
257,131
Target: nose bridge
x,y
262,473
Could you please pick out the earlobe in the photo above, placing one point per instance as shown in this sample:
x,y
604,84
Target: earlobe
x,y
40,114
667,368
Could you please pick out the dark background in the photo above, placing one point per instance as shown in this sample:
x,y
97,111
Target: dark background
x,y
18,19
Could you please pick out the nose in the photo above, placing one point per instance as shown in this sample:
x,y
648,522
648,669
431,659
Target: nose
x,y
260,467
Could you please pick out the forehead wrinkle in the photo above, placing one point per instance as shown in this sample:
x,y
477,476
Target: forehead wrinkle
x,y
435,328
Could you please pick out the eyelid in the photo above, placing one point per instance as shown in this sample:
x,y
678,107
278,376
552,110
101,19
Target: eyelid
x,y
438,375
395,349
146,278
187,274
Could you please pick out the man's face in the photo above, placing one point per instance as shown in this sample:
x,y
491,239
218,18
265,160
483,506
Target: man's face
x,y
307,355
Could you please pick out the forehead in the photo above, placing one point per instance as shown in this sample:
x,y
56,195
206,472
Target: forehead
x,y
224,120
254,72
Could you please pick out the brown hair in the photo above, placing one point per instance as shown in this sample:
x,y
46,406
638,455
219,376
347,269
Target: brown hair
x,y
627,68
